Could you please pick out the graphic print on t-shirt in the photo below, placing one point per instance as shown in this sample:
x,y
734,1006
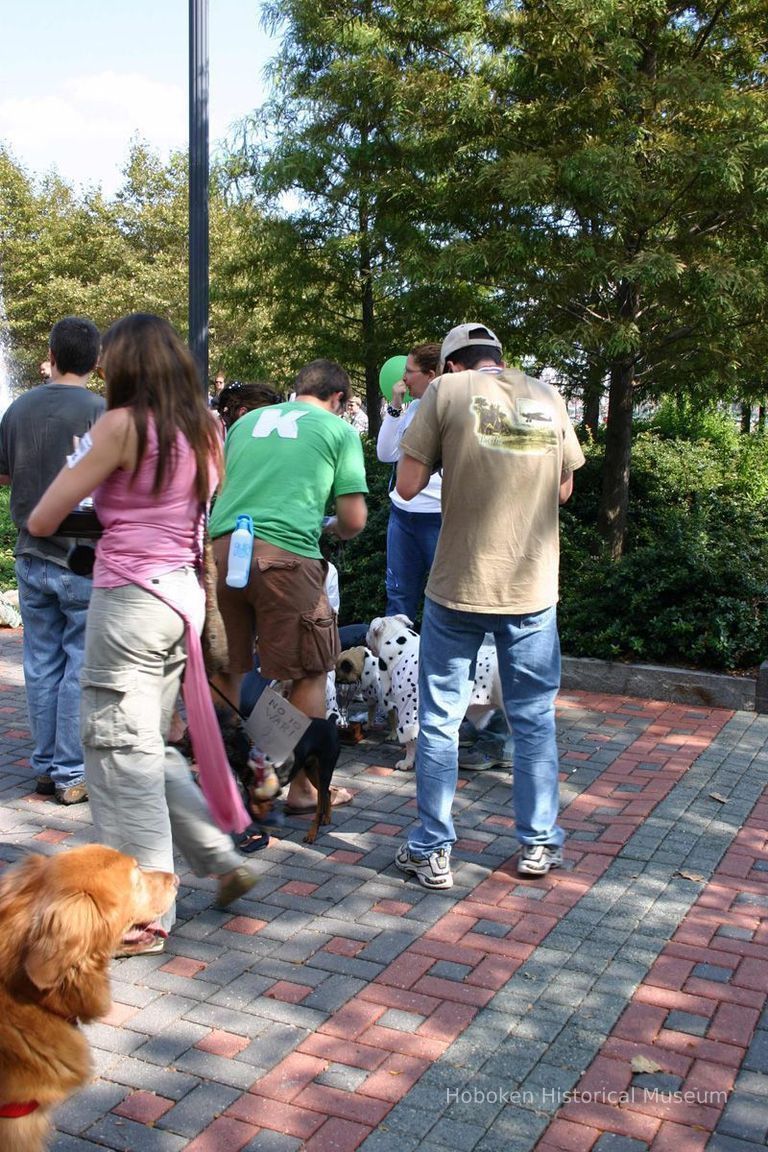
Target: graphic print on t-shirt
x,y
528,428
274,420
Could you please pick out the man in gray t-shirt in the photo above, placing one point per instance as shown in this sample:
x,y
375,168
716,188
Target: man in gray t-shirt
x,y
37,433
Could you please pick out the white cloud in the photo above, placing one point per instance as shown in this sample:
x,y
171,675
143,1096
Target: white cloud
x,y
83,125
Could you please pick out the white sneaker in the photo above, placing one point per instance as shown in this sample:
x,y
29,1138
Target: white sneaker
x,y
433,871
537,859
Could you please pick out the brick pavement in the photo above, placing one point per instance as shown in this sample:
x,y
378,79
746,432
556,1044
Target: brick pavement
x,y
618,1005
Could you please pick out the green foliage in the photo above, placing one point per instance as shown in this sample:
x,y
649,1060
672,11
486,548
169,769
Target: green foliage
x,y
680,417
7,542
362,562
692,585
64,253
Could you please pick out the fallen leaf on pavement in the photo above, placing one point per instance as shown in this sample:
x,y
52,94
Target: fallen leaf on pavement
x,y
643,1064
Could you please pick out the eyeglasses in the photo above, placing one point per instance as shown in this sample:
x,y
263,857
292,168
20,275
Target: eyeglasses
x,y
413,371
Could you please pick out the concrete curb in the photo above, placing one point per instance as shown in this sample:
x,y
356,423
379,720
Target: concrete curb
x,y
679,685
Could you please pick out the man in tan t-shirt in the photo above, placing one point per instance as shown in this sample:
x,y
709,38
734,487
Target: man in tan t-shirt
x,y
508,452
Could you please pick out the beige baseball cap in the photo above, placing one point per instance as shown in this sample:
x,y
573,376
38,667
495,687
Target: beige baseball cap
x,y
465,336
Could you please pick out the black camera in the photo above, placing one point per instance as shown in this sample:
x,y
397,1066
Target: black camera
x,y
83,524
81,559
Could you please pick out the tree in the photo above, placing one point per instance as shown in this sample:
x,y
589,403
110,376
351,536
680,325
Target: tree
x,y
614,194
64,253
330,160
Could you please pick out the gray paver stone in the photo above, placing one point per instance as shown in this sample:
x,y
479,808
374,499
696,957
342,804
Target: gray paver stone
x,y
514,1130
458,1135
720,1142
687,1022
342,1076
195,1112
268,1141
613,1142
77,1113
140,1073
206,1066
385,1140
128,1136
756,1059
332,993
407,1121
745,1117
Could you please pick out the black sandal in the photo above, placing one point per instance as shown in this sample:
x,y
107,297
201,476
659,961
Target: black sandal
x,y
252,840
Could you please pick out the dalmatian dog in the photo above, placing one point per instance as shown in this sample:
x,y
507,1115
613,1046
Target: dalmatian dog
x,y
395,643
359,664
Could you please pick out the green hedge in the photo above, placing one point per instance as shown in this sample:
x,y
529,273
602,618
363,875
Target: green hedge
x,y
362,562
7,541
691,588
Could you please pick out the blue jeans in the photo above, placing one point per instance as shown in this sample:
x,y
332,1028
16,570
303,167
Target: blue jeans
x,y
411,542
528,648
53,603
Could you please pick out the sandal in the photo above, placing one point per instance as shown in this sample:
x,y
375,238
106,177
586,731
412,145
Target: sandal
x,y
147,942
252,840
339,797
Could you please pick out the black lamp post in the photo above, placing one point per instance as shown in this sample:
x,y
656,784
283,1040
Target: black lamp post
x,y
198,185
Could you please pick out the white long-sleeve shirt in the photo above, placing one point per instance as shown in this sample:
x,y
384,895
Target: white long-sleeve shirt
x,y
388,451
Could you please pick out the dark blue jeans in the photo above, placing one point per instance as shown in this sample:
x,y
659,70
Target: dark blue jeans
x,y
411,542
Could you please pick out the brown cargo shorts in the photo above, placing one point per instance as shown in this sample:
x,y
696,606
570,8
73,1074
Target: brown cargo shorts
x,y
283,609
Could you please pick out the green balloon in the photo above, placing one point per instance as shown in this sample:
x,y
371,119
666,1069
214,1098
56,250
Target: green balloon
x,y
390,372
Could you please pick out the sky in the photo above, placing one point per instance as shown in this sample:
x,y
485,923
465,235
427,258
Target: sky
x,y
80,79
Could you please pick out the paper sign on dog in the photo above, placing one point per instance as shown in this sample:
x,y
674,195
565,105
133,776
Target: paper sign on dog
x,y
275,726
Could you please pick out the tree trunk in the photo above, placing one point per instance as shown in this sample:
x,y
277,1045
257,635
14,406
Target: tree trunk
x,y
368,324
594,386
761,418
746,417
372,393
590,420
593,392
612,516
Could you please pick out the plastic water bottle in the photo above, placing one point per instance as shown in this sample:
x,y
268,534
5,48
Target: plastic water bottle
x,y
240,552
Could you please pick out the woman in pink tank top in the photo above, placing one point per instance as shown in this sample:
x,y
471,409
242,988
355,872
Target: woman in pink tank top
x,y
151,462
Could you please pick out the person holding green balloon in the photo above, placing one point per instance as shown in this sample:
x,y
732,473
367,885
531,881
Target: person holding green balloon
x,y
414,525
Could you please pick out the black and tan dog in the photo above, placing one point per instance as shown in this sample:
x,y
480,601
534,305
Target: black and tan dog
x,y
317,753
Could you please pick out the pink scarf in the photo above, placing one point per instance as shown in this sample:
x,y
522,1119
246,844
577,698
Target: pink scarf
x,y
216,779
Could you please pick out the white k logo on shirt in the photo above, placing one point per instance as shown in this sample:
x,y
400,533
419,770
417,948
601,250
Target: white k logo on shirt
x,y
284,423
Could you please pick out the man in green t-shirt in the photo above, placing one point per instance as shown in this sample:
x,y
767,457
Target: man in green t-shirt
x,y
282,465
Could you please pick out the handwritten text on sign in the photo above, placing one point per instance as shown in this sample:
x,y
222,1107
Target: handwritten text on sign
x,y
275,726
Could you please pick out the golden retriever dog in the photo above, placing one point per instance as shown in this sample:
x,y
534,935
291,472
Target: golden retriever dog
x,y
61,918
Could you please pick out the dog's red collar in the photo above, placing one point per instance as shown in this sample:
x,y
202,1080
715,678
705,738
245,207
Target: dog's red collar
x,y
15,1111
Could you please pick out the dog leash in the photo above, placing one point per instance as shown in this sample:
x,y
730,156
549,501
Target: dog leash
x,y
226,700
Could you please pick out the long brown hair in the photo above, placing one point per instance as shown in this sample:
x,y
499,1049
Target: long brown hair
x,y
149,369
